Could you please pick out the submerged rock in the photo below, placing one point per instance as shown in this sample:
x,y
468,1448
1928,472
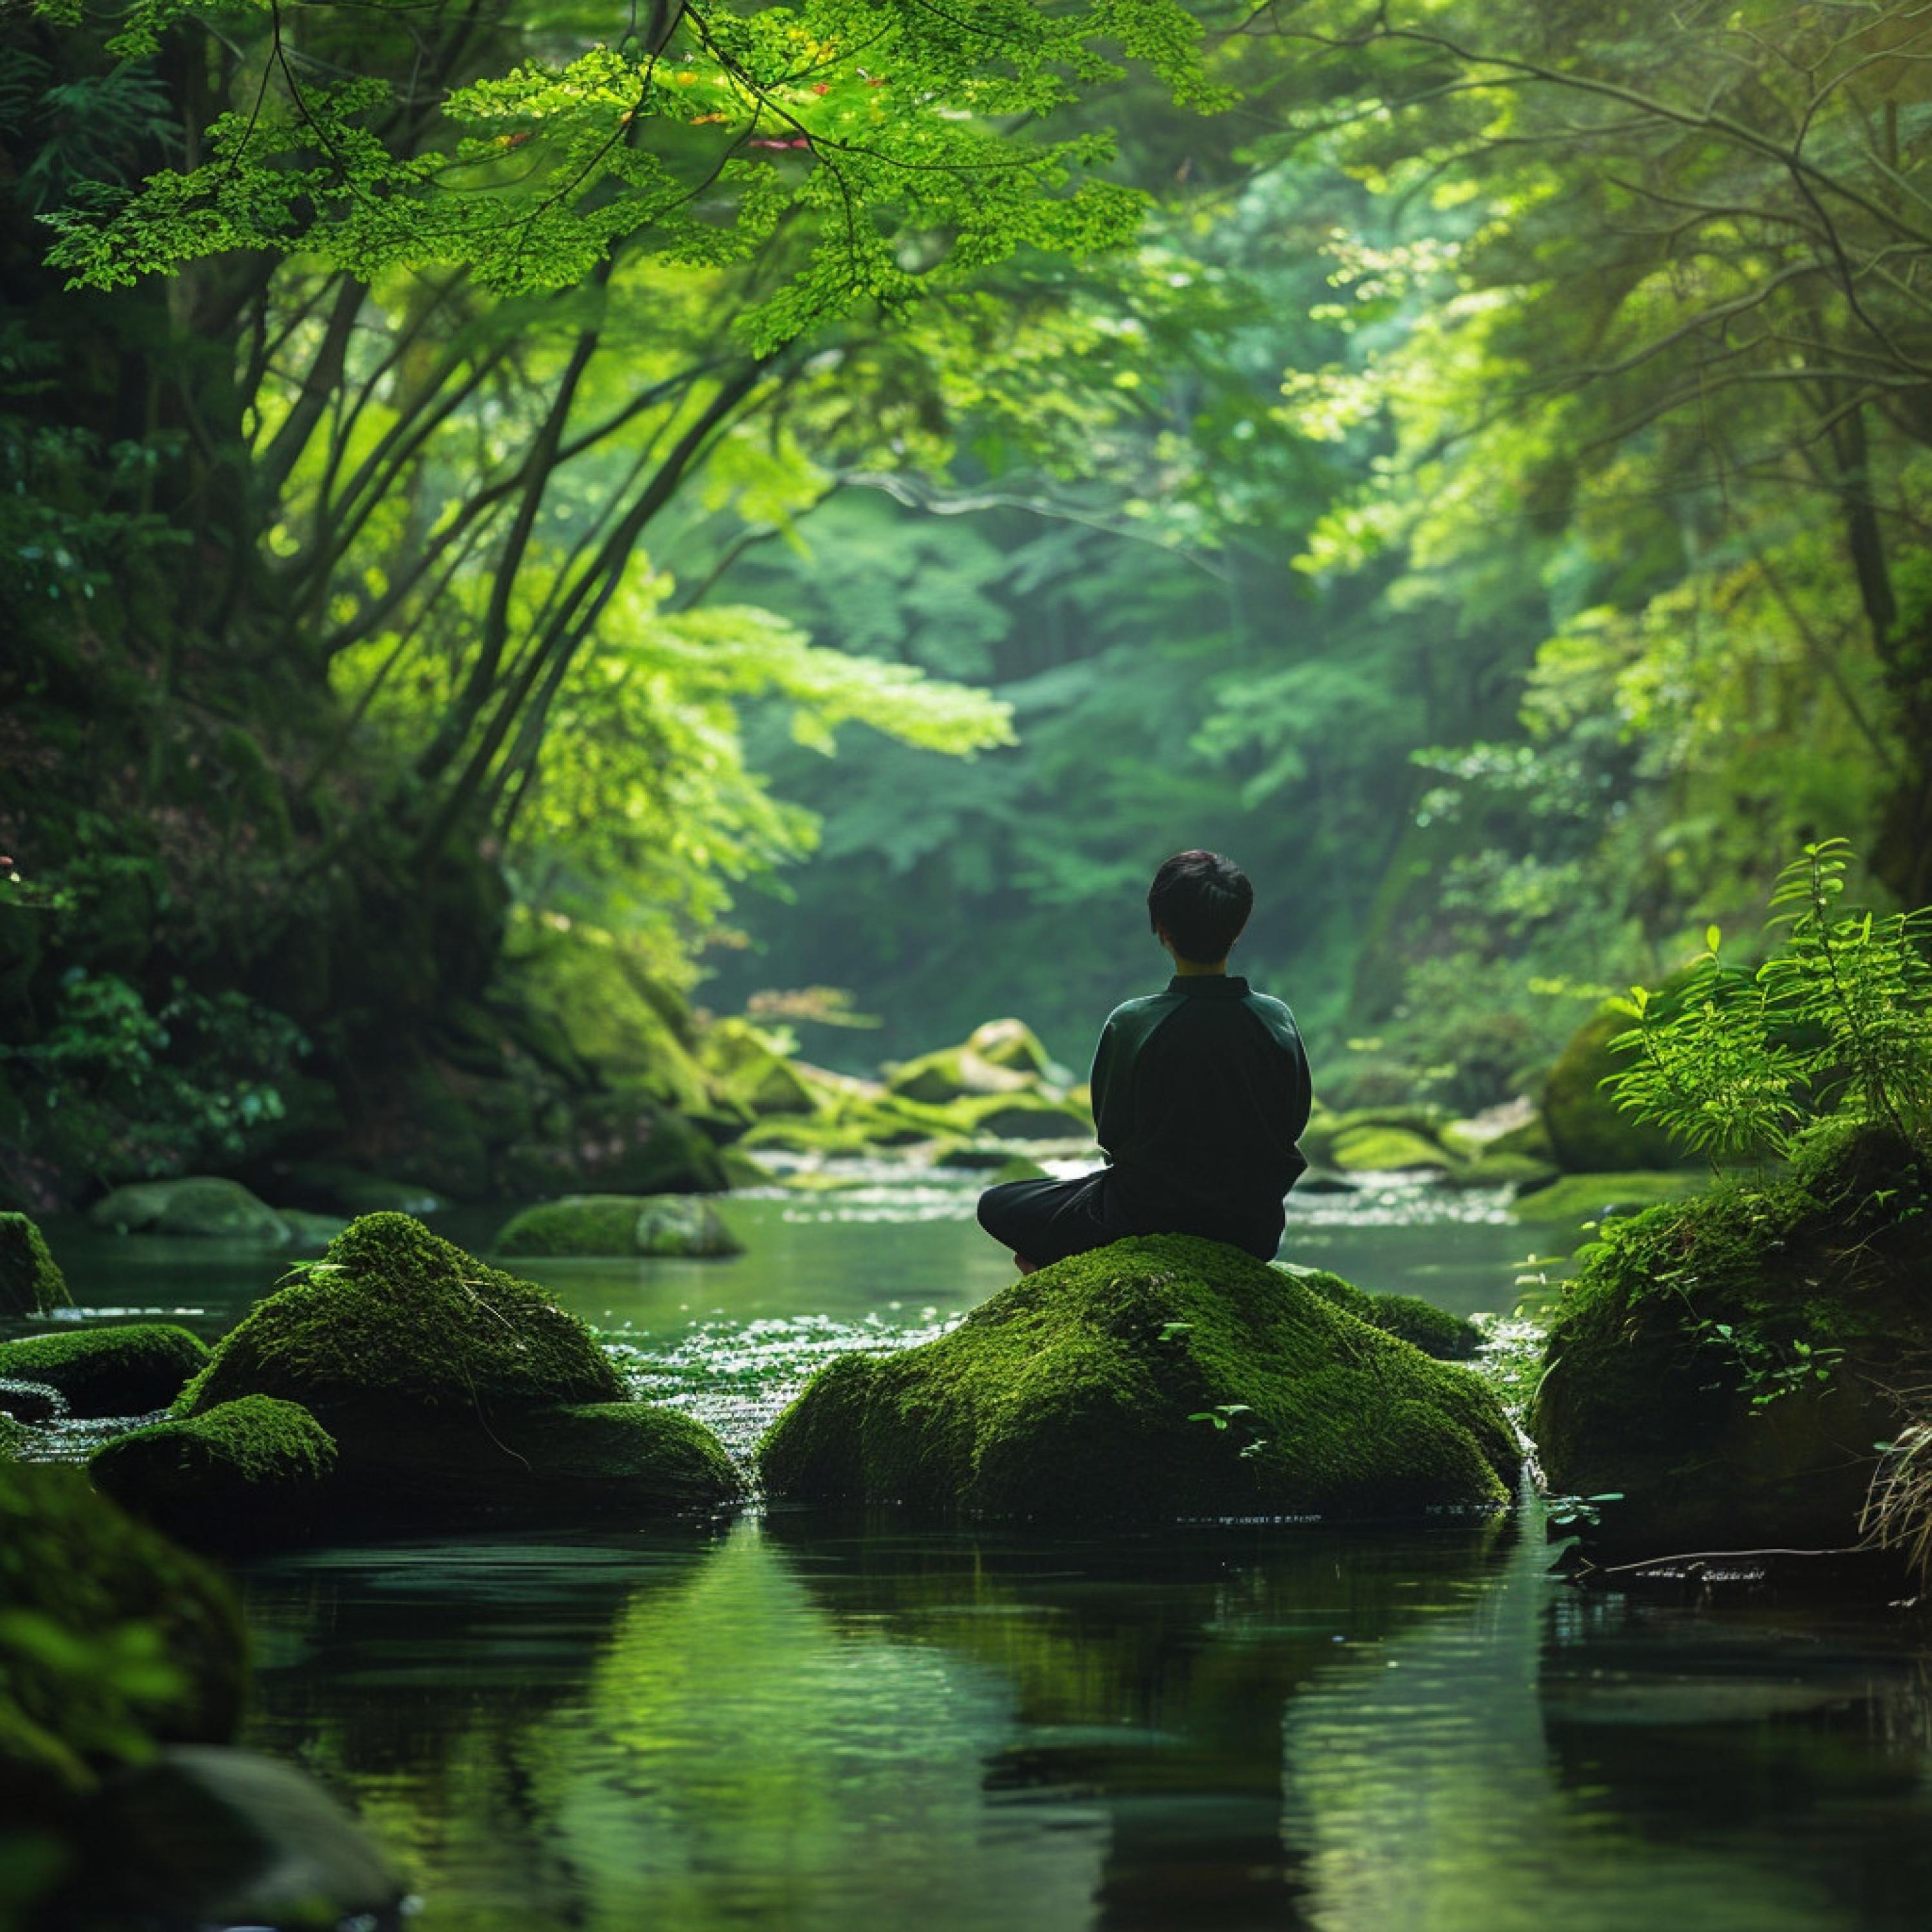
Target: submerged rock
x,y
251,1471
127,1370
1155,1378
1726,1364
201,1206
454,1392
228,1838
31,1282
619,1224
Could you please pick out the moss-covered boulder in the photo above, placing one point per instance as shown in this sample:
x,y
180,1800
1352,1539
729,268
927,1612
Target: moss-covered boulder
x,y
1725,1363
200,1207
127,1370
244,1473
619,1224
751,1071
31,1282
1579,1198
1001,1057
1024,1117
113,1639
1386,1149
441,1380
1158,1378
1520,1172
1448,1338
1017,1168
395,1322
1588,1134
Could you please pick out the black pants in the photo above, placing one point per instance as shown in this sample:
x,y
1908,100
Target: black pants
x,y
1045,1221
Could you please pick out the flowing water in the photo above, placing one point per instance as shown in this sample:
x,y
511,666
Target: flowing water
x,y
793,1723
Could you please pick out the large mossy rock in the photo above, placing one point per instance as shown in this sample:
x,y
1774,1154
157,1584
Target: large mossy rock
x,y
1159,1378
251,1471
751,1073
1384,1150
455,1392
112,1639
999,1056
619,1224
127,1370
1588,1134
201,1206
1578,1198
1676,1375
31,1282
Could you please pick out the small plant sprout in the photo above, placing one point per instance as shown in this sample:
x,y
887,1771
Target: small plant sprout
x,y
1220,1414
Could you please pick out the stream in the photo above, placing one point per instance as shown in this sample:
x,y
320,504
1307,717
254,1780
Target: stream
x,y
794,1723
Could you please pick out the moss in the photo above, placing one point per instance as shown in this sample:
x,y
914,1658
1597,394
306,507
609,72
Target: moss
x,y
1018,1168
1447,1337
749,1072
14,1437
1587,1133
396,1321
201,1207
619,1224
144,1644
1011,1044
1073,1394
1646,1395
1519,1170
1597,1197
122,1371
822,1134
1021,1118
972,1157
248,1473
741,1170
31,1282
1377,1150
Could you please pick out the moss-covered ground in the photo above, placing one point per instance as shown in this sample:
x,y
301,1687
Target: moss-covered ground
x,y
1158,1378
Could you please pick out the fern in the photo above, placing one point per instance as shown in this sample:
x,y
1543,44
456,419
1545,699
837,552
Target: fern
x,y
1837,1022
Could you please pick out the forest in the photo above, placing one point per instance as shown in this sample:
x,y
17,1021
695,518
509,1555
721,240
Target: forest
x,y
605,615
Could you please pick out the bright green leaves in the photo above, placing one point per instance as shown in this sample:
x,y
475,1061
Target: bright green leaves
x,y
872,151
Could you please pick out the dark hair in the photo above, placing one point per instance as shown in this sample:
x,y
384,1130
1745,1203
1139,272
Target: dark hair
x,y
1203,900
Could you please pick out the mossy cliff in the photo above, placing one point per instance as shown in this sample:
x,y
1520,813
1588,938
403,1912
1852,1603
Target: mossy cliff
x,y
1722,1363
399,1382
1154,1379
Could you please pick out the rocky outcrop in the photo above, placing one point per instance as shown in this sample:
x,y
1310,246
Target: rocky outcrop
x,y
31,1282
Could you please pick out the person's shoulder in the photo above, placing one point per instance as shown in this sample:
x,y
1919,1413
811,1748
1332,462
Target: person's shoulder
x,y
1148,1003
1274,1014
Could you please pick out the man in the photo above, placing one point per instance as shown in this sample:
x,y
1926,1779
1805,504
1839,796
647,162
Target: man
x,y
1200,1093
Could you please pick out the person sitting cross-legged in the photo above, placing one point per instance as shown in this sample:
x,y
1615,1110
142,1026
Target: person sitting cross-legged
x,y
1200,1094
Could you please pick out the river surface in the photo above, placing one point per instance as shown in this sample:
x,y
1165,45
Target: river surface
x,y
794,1723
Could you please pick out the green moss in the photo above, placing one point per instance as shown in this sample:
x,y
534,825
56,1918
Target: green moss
x,y
14,1437
31,1282
1587,1133
1682,1318
395,1320
1072,1395
749,1072
822,1134
122,1371
201,1207
245,1473
619,1224
1377,1150
1447,1337
1520,1170
741,1170
1022,1118
1011,1044
1018,1168
114,1640
1597,1197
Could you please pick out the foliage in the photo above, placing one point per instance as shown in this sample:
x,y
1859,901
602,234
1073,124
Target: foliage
x,y
131,1093
1837,1022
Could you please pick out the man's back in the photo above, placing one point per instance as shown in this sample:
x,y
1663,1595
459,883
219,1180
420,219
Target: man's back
x,y
1200,1093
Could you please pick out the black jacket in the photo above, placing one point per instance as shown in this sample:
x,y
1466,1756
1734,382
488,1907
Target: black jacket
x,y
1200,1094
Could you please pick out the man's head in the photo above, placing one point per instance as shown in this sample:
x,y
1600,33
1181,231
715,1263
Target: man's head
x,y
1198,904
